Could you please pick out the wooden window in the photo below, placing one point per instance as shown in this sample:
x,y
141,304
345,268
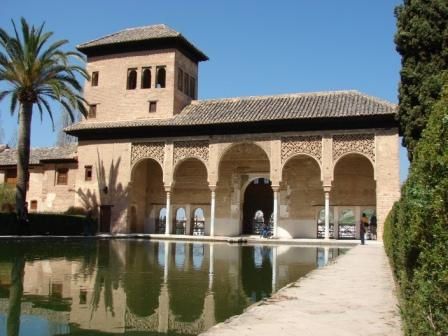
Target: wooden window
x,y
95,77
146,78
56,290
88,173
186,83
92,111
33,206
82,296
161,77
132,79
62,176
192,88
152,106
11,177
180,79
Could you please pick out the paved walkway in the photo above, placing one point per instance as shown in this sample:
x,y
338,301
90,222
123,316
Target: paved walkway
x,y
352,296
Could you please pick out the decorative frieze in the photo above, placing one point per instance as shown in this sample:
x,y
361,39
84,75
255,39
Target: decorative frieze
x,y
148,150
191,149
309,145
354,143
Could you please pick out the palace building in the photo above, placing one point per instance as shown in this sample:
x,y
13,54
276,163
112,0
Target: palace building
x,y
154,159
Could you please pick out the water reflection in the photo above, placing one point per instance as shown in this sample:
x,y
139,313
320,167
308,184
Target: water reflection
x,y
126,287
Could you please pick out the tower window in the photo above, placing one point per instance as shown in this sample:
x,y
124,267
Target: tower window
x,y
186,83
180,79
95,76
146,78
33,205
92,111
132,79
161,77
88,173
152,106
192,92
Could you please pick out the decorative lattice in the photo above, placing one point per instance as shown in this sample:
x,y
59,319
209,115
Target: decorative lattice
x,y
148,150
191,149
354,143
310,145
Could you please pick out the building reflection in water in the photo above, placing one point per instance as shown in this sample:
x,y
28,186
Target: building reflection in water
x,y
121,287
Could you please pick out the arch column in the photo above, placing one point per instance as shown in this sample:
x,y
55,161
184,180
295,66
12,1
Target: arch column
x,y
276,189
168,210
327,211
212,209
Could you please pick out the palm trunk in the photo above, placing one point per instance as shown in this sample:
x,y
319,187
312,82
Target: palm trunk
x,y
23,156
15,297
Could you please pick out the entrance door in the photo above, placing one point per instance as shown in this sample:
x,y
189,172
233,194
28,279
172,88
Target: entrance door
x,y
105,216
257,197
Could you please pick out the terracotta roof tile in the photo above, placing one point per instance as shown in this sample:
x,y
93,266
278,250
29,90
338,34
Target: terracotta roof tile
x,y
9,156
263,108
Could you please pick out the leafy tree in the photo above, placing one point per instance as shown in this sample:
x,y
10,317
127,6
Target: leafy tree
x,y
36,72
416,231
422,41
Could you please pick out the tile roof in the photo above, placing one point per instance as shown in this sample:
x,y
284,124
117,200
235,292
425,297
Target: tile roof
x,y
37,155
336,104
153,33
133,34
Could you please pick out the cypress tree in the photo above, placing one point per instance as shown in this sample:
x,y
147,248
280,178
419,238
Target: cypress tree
x,y
422,41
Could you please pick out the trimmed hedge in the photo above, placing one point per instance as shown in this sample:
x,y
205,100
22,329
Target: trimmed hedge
x,y
416,232
47,224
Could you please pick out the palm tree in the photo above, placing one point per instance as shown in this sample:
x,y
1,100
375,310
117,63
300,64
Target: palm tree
x,y
36,72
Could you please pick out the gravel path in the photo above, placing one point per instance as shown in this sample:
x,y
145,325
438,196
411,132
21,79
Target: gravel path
x,y
355,295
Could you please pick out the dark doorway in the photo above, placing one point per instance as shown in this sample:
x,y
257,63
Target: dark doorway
x,y
257,197
105,216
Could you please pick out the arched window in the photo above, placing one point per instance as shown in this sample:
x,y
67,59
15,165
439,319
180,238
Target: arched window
x,y
132,79
146,78
161,77
181,221
198,222
258,221
161,221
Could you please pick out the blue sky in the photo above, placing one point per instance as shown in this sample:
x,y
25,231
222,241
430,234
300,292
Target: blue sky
x,y
256,47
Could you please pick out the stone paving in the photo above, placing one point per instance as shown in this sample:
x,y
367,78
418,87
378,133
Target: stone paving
x,y
355,295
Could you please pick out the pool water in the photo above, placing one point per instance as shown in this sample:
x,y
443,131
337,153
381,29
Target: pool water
x,y
139,287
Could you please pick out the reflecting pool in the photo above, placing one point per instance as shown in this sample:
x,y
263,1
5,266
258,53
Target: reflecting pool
x,y
139,287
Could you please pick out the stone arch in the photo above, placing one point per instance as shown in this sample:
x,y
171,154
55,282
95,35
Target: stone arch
x,y
179,163
301,191
228,148
352,154
141,161
297,155
353,188
147,193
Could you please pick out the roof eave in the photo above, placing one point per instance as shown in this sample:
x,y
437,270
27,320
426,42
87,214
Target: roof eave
x,y
178,42
262,126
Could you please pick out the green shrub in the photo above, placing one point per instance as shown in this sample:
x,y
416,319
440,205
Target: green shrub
x,y
7,198
416,232
46,224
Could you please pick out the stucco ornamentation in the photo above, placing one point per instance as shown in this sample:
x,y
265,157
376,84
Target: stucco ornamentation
x,y
191,149
310,145
354,143
148,150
